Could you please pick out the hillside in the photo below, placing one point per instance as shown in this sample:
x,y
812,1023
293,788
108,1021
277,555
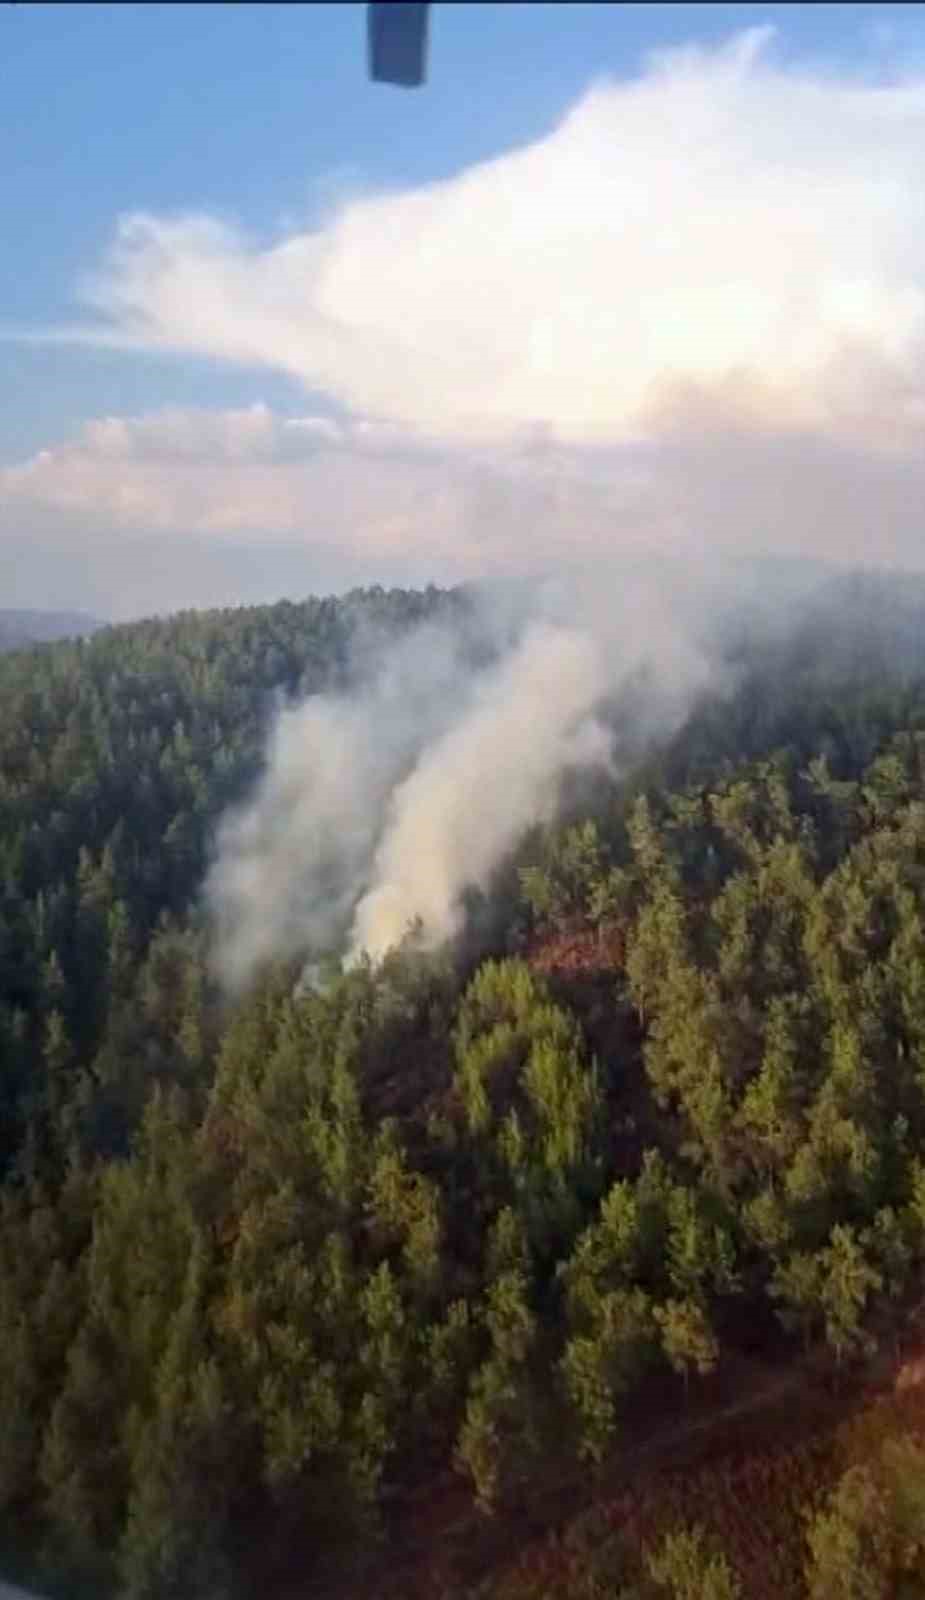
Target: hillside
x,y
369,1280
18,628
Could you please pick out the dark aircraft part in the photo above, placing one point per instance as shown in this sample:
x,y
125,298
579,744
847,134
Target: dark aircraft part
x,y
398,43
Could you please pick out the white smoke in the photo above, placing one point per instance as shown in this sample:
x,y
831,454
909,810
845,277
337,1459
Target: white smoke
x,y
290,861
381,807
477,786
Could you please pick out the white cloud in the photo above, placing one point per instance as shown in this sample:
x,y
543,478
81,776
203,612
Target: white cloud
x,y
367,502
720,219
371,487
690,318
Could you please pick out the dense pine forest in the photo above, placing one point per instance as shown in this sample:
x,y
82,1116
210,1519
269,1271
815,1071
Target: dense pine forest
x,y
340,1286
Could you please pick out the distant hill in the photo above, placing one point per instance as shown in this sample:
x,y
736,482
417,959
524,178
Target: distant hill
x,y
18,628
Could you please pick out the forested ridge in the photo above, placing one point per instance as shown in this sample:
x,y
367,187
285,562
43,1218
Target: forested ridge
x,y
19,628
269,1270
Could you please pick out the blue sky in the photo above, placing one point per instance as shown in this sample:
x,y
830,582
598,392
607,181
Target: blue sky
x,y
261,119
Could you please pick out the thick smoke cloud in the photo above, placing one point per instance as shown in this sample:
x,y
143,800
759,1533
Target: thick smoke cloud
x,y
379,808
290,863
474,789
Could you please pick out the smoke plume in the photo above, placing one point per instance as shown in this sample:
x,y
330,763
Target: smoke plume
x,y
290,862
381,806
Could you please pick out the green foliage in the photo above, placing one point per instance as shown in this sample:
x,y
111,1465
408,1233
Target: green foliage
x,y
531,1102
832,1287
867,1541
574,883
685,1568
687,1337
600,1366
497,1439
266,1269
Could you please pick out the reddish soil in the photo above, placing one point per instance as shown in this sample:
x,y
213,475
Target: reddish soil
x,y
745,1455
578,952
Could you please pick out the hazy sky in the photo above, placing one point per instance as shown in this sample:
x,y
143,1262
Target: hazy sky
x,y
621,278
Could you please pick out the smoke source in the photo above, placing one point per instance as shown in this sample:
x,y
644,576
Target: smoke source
x,y
380,807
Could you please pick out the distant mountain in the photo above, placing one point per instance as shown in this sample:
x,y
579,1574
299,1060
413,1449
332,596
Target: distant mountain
x,y
18,628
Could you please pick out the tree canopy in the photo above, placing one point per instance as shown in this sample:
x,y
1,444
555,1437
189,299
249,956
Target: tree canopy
x,y
265,1268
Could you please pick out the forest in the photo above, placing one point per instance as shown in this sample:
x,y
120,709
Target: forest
x,y
334,1289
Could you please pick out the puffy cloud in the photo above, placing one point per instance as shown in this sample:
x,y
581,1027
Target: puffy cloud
x,y
690,318
722,222
379,504
372,490
232,474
